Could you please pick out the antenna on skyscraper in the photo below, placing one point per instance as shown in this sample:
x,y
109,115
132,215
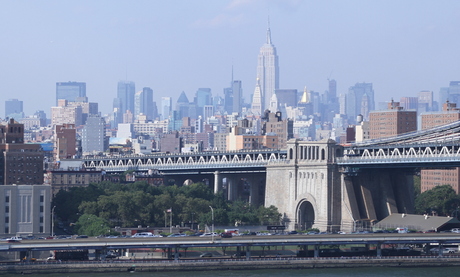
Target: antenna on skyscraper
x,y
328,78
269,36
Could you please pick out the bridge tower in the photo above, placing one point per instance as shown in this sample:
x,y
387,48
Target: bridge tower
x,y
306,187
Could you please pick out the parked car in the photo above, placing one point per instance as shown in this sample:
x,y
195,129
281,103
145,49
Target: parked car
x,y
455,230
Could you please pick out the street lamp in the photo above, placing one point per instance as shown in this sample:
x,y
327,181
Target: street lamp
x,y
52,221
212,230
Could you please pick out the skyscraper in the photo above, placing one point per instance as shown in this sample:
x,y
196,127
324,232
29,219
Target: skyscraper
x,y
70,91
354,100
125,95
256,106
14,109
203,98
268,71
143,103
166,107
237,90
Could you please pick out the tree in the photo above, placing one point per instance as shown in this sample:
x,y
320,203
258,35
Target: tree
x,y
91,225
441,200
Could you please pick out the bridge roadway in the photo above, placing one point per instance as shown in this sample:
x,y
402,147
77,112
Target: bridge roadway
x,y
274,240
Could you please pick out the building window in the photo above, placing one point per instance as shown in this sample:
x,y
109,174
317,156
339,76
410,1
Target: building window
x,y
41,229
42,198
41,209
7,199
41,219
7,230
7,219
7,209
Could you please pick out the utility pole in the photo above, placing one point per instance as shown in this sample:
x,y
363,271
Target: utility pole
x,y
212,232
52,221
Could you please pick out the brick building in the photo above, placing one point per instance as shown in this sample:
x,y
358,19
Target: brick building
x,y
431,178
20,163
392,122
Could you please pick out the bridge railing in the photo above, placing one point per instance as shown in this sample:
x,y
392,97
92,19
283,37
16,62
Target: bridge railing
x,y
439,158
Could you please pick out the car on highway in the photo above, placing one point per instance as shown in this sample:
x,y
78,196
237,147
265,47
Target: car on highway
x,y
177,235
206,255
226,235
209,235
144,235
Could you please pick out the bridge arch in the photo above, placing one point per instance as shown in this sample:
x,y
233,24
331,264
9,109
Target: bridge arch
x,y
305,213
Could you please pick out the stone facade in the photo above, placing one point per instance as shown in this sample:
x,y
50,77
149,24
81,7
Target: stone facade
x,y
306,188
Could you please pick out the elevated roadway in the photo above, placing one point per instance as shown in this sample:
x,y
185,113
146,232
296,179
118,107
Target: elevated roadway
x,y
274,240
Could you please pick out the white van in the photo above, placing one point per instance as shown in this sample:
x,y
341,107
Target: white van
x,y
143,235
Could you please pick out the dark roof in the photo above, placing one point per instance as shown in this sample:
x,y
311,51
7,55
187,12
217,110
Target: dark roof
x,y
418,222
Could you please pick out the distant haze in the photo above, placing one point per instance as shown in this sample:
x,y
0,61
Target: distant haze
x,y
402,47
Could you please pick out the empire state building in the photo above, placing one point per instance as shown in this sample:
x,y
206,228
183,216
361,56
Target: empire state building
x,y
268,71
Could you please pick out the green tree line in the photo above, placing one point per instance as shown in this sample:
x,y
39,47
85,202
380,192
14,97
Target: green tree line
x,y
106,205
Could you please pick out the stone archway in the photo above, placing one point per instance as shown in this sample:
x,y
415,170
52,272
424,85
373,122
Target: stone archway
x,y
305,216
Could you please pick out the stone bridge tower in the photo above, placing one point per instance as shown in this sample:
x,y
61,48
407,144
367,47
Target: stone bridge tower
x,y
306,187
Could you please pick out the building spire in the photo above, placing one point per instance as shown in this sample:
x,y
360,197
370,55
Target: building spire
x,y
269,36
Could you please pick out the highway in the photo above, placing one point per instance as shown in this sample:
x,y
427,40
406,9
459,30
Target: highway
x,y
190,241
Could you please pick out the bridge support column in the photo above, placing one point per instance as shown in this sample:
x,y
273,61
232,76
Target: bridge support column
x,y
169,253
316,251
176,253
379,250
217,182
248,252
232,184
254,192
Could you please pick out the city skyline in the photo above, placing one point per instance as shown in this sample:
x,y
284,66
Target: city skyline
x,y
402,48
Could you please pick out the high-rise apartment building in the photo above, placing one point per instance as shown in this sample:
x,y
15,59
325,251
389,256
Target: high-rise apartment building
x,y
93,138
392,122
14,109
70,91
274,125
66,114
268,71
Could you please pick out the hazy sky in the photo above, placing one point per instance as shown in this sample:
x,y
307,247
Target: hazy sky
x,y
402,47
